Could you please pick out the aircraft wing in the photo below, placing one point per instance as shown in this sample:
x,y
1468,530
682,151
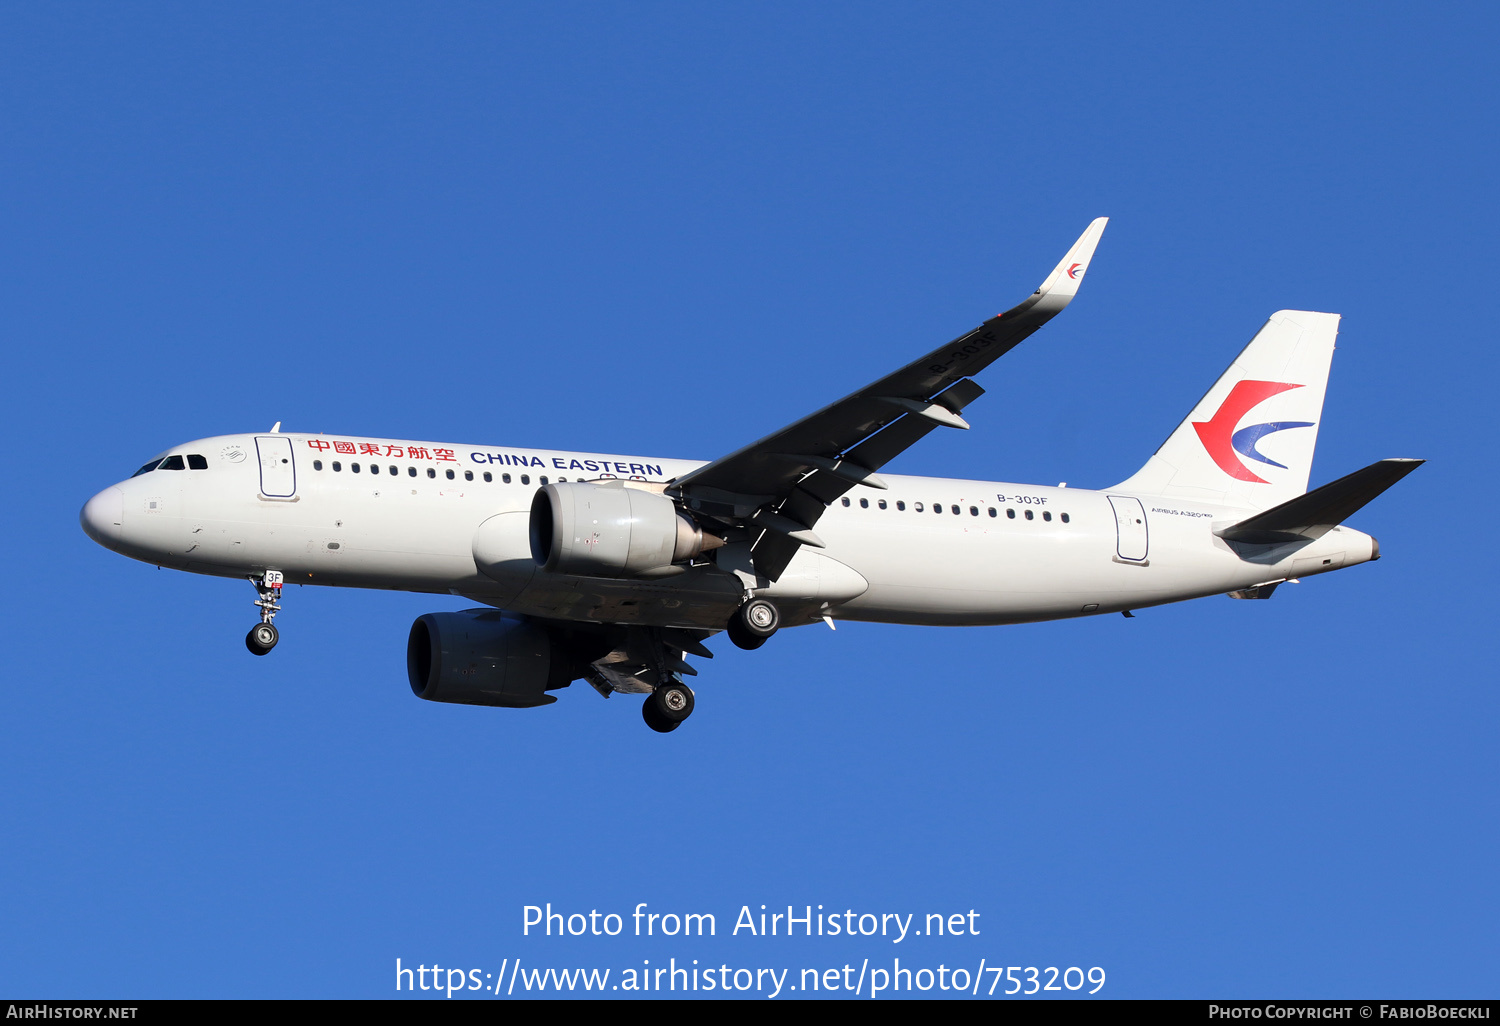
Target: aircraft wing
x,y
781,484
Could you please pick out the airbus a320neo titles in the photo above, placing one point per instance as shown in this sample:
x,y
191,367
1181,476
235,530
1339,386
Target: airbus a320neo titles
x,y
613,569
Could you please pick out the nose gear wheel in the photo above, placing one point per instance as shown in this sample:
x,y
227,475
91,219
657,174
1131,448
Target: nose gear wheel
x,y
263,636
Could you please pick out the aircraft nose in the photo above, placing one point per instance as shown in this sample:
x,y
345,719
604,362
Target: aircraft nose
x,y
103,516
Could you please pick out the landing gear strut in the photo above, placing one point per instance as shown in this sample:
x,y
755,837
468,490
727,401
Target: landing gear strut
x,y
263,637
667,706
753,623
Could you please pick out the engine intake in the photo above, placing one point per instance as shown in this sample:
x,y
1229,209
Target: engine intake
x,y
611,530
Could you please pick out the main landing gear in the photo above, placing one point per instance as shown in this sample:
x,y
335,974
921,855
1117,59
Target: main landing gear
x,y
263,637
753,623
667,706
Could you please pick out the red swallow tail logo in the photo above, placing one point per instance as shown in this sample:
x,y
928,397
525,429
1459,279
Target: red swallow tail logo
x,y
1075,271
1220,439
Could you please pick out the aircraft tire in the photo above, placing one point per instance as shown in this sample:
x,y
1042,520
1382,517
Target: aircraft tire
x,y
741,637
761,617
654,718
753,623
673,701
262,638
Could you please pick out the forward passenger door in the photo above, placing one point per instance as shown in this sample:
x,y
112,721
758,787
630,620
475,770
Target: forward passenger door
x,y
278,474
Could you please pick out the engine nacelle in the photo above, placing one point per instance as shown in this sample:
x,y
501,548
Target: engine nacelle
x,y
611,530
482,657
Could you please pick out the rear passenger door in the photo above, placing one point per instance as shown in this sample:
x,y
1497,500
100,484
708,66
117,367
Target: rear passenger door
x,y
1131,537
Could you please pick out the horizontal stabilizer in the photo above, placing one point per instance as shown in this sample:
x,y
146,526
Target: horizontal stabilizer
x,y
1320,510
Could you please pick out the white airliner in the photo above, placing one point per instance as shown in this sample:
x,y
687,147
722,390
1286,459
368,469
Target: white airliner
x,y
611,569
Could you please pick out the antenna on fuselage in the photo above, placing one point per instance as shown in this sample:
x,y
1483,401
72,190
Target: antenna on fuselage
x,y
276,428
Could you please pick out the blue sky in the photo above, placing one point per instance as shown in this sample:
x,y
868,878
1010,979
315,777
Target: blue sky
x,y
667,229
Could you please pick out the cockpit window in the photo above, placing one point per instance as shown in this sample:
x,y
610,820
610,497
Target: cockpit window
x,y
196,462
172,463
147,468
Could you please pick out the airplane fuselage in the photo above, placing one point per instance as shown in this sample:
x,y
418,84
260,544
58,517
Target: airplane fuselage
x,y
422,517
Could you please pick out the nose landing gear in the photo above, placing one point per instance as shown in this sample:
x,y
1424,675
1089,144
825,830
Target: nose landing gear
x,y
667,706
263,636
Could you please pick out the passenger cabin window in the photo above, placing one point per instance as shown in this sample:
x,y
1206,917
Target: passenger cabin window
x,y
354,468
196,462
973,511
845,501
395,471
468,475
526,479
543,479
431,472
488,476
1046,515
1030,515
881,503
864,503
172,463
1011,514
317,464
992,511
450,475
900,504
918,507
954,509
1065,518
504,478
337,466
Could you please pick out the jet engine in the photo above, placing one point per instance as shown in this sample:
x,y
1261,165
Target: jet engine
x,y
483,657
612,530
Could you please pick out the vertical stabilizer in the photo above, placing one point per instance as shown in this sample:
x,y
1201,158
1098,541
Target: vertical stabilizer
x,y
1249,442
